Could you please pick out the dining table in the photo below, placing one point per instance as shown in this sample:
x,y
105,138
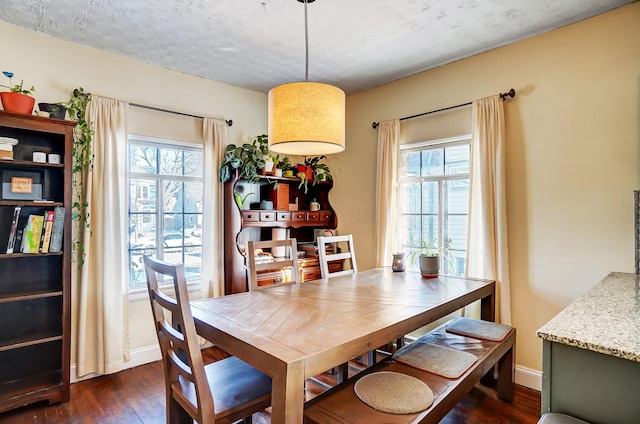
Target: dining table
x,y
292,332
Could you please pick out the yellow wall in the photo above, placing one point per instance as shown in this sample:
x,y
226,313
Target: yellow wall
x,y
572,157
56,67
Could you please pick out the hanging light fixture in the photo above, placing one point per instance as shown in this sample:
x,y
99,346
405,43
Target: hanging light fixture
x,y
306,118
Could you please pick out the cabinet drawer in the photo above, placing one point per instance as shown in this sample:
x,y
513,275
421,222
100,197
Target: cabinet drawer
x,y
283,216
325,215
313,216
267,216
298,216
251,216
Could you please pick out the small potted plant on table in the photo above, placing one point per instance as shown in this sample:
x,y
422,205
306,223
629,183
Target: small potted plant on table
x,y
429,257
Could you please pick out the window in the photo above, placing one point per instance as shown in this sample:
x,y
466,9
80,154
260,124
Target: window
x,y
165,197
433,198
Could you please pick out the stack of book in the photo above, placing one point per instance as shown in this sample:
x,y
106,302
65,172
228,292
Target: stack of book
x,y
35,233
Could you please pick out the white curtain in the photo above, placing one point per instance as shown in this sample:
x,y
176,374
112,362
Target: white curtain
x,y
102,289
386,188
214,132
487,251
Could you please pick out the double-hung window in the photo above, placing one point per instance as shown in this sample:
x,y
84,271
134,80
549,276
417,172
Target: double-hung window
x,y
165,199
433,199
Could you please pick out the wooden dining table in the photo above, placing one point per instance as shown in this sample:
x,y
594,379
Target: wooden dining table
x,y
294,332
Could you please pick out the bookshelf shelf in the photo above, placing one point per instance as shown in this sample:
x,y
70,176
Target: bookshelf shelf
x,y
35,288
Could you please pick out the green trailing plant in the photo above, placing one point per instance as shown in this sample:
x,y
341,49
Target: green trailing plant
x,y
18,87
82,153
241,199
247,159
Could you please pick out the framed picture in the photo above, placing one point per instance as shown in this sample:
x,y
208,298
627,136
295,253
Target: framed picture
x,y
21,185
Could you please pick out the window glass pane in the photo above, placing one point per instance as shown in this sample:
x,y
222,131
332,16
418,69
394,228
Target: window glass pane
x,y
173,223
456,235
142,195
173,196
143,159
429,228
457,195
432,162
457,159
409,164
170,161
430,197
193,196
410,198
411,230
193,163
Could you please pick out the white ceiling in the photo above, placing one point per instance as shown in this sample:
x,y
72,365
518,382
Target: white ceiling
x,y
258,44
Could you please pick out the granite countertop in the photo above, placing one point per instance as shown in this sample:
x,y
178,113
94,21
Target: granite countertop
x,y
606,319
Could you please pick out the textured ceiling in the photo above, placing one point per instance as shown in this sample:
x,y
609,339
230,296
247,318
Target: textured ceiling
x,y
258,44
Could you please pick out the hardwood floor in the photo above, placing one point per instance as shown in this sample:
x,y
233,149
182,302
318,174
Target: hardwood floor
x,y
137,396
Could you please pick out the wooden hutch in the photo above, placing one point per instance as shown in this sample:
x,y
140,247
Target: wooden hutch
x,y
285,194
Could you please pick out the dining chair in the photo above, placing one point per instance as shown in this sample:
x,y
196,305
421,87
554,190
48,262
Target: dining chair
x,y
286,265
325,258
221,392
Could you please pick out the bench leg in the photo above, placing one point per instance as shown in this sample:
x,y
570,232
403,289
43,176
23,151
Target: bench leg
x,y
506,383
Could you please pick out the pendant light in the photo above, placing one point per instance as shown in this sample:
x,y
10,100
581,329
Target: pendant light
x,y
306,118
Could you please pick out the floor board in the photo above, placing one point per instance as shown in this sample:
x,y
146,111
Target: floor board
x,y
137,396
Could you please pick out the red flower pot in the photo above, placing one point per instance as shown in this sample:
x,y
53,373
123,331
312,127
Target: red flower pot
x,y
17,102
307,170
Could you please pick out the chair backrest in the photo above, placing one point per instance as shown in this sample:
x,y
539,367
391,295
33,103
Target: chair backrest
x,y
325,257
287,264
181,354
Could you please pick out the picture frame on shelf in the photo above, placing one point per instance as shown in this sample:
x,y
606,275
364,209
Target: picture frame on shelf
x,y
21,185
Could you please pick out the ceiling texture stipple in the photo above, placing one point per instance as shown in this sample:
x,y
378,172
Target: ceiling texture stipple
x,y
258,44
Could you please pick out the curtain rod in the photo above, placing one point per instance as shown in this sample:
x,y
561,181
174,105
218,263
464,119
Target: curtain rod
x,y
228,122
511,93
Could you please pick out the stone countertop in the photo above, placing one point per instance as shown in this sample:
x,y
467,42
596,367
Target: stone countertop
x,y
606,319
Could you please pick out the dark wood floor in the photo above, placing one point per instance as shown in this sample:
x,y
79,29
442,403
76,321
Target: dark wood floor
x,y
137,396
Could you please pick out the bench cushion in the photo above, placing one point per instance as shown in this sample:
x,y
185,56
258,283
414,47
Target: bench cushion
x,y
393,392
439,360
478,329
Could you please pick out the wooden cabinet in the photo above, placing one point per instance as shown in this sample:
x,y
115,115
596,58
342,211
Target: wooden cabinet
x,y
35,288
301,223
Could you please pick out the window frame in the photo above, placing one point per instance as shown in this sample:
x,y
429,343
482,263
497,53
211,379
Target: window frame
x,y
139,291
461,140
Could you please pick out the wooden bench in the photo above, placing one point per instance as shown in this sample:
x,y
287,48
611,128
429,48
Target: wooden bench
x,y
341,405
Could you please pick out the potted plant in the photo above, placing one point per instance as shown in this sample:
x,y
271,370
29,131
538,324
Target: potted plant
x,y
429,257
313,171
17,99
248,159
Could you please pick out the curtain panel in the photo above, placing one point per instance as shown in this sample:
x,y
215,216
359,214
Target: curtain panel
x,y
101,282
487,249
386,188
214,132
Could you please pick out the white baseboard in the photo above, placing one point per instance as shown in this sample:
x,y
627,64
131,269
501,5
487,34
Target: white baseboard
x,y
524,376
140,356
529,378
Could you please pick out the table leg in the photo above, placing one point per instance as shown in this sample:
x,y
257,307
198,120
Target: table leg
x,y
287,394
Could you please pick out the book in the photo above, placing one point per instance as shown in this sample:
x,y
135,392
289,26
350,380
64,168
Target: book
x,y
47,227
32,234
14,229
19,240
57,230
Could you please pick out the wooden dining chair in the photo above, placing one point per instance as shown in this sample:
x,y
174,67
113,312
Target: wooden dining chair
x,y
222,392
325,258
288,265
